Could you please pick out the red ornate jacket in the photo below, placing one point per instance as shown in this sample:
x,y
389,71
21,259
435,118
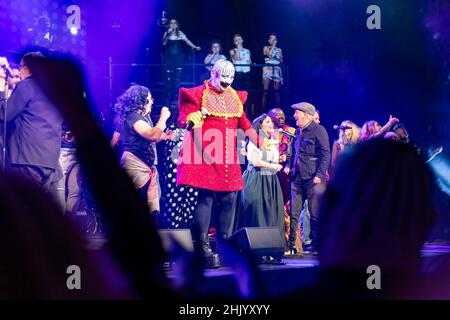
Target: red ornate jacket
x,y
209,155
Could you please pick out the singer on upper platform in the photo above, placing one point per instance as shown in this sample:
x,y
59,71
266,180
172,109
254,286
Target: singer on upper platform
x,y
208,158
241,55
273,57
173,40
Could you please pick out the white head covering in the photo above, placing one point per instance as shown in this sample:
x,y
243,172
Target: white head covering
x,y
224,67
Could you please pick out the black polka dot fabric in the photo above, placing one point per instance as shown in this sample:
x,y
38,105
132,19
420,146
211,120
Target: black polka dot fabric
x,y
177,203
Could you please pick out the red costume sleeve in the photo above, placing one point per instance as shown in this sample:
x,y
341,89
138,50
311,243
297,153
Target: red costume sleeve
x,y
189,102
243,95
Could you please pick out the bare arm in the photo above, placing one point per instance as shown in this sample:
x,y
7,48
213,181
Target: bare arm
x,y
115,139
386,128
208,58
165,37
268,50
189,43
233,54
153,133
146,131
334,156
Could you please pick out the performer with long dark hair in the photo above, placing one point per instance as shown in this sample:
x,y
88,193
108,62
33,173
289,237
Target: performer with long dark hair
x,y
208,158
372,129
139,137
173,41
260,203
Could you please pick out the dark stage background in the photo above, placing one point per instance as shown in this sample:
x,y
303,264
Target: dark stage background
x,y
334,61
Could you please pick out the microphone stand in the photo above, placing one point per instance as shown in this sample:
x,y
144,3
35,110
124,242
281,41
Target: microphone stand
x,y
435,153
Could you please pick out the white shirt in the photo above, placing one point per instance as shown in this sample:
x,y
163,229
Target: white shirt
x,y
173,36
272,155
243,56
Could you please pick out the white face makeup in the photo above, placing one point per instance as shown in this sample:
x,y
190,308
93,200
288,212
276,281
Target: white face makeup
x,y
222,74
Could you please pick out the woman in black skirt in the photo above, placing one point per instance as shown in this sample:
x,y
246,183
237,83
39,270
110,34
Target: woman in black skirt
x,y
260,203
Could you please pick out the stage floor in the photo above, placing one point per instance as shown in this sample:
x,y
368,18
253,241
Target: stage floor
x,y
297,272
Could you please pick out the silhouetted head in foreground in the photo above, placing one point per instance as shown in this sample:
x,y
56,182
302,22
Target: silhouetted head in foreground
x,y
377,209
38,245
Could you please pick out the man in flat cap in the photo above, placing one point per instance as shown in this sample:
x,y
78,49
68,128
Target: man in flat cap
x,y
307,168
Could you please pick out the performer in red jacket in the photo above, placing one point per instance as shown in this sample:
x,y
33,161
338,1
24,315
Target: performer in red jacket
x,y
208,158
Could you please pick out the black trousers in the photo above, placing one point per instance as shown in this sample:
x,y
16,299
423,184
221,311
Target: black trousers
x,y
224,215
302,189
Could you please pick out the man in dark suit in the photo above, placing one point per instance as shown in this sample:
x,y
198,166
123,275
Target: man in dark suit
x,y
34,127
308,168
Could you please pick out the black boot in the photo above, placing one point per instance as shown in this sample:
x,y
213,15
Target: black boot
x,y
211,259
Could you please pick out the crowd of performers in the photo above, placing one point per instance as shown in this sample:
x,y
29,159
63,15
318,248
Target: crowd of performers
x,y
286,167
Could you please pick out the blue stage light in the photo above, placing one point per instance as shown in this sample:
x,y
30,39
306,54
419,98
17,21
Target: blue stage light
x,y
441,170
